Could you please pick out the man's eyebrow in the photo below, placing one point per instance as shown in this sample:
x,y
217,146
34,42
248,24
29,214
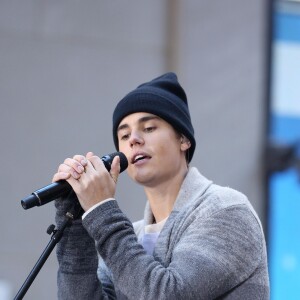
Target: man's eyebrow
x,y
147,118
141,120
123,126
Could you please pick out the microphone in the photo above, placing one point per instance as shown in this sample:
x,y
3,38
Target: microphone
x,y
62,187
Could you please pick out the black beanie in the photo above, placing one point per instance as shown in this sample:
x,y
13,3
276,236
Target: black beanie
x,y
163,97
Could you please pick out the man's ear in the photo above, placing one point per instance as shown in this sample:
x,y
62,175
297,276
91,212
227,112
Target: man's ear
x,y
184,143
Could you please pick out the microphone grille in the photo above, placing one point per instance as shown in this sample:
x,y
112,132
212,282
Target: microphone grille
x,y
107,160
123,161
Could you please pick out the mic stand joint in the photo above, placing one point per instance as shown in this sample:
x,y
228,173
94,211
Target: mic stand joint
x,y
55,238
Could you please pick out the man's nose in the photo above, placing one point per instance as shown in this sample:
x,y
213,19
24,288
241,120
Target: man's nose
x,y
135,138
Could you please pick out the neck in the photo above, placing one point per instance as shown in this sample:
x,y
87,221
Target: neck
x,y
163,196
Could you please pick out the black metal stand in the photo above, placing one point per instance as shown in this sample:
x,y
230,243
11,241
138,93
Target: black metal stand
x,y
55,238
280,157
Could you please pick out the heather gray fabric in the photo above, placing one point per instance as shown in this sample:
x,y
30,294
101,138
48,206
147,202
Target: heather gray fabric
x,y
211,247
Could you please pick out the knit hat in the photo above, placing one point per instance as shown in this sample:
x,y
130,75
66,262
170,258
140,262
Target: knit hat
x,y
163,97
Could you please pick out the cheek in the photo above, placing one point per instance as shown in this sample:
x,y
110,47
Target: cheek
x,y
125,150
127,154
168,151
171,142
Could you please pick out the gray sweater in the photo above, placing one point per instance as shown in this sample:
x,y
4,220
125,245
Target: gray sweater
x,y
211,247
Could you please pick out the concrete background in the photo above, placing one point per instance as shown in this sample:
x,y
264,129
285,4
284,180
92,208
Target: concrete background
x,y
65,64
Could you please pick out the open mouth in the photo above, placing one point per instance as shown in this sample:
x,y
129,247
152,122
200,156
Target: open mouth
x,y
139,157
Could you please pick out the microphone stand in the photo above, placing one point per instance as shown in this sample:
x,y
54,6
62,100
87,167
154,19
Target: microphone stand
x,y
55,238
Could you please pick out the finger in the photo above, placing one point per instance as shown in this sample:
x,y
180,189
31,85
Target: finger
x,y
96,162
66,176
115,168
81,159
89,155
67,169
89,168
77,166
60,176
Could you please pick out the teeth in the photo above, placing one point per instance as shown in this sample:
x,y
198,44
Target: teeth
x,y
138,157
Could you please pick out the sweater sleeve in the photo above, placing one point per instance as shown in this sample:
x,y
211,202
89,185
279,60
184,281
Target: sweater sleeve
x,y
77,259
210,258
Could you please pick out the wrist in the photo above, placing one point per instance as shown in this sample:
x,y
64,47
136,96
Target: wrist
x,y
96,205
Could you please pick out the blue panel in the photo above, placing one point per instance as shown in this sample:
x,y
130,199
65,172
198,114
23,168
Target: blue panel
x,y
284,187
284,217
285,128
287,27
284,237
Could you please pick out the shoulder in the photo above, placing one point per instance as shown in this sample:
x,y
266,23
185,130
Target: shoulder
x,y
218,198
224,205
229,212
228,218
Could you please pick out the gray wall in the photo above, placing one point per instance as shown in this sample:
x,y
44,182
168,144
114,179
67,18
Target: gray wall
x,y
64,65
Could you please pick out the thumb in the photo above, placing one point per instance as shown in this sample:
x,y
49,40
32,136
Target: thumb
x,y
115,168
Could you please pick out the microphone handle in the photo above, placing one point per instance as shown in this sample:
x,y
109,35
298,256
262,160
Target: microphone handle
x,y
46,194
62,187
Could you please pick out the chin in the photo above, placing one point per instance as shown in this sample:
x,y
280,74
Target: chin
x,y
141,177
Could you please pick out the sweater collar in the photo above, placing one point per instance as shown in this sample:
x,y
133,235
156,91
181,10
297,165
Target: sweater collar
x,y
193,186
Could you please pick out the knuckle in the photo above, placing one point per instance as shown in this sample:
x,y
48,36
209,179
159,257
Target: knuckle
x,y
64,168
78,157
71,163
67,160
61,167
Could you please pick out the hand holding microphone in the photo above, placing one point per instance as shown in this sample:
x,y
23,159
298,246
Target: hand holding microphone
x,y
86,175
89,178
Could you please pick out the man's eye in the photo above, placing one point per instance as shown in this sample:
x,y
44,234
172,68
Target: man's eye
x,y
149,129
125,137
